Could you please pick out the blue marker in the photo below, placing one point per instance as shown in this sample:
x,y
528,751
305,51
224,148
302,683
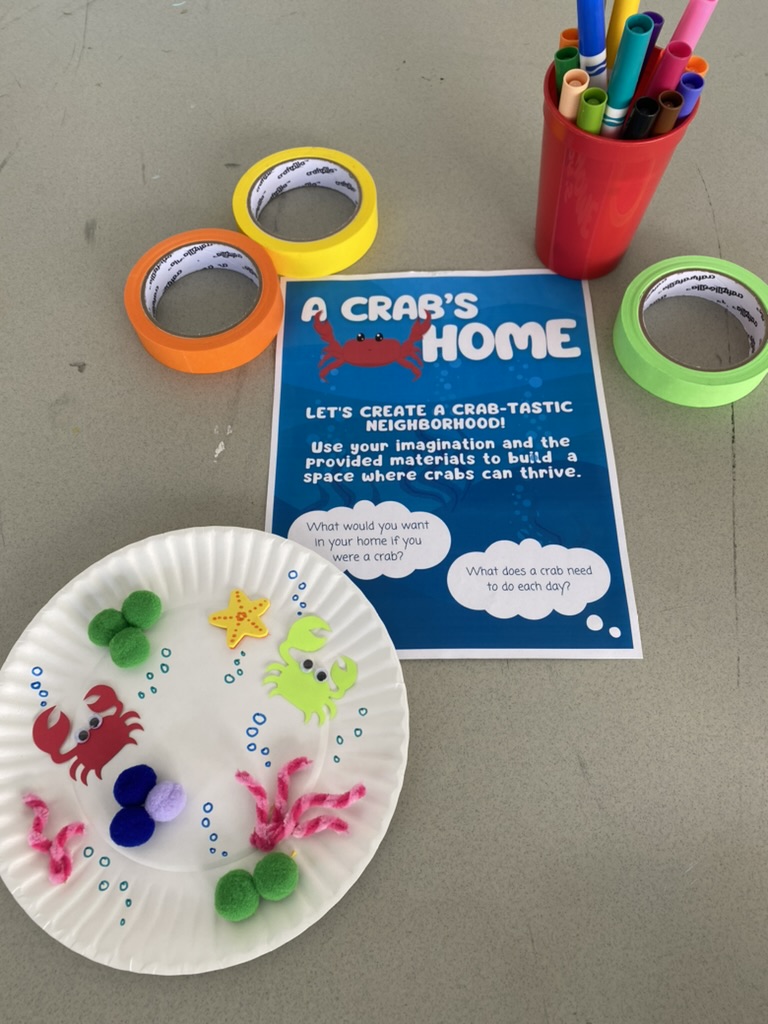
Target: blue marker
x,y
626,71
689,88
592,52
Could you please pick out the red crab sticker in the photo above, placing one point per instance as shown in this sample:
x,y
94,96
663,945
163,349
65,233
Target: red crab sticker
x,y
376,351
108,730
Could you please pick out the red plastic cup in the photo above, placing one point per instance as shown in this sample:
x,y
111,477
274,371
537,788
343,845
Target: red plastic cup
x,y
593,191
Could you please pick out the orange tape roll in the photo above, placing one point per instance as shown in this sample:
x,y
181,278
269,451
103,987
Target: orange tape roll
x,y
185,254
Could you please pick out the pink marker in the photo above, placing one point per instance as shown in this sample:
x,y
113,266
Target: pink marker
x,y
670,68
693,22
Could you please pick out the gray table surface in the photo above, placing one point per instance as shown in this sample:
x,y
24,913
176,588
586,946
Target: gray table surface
x,y
577,842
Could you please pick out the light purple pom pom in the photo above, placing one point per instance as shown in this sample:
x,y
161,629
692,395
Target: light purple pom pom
x,y
165,801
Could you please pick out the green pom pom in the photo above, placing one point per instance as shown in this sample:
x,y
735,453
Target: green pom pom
x,y
276,876
129,647
105,625
142,608
236,898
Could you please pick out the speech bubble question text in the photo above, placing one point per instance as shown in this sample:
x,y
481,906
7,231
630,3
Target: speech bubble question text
x,y
370,540
528,579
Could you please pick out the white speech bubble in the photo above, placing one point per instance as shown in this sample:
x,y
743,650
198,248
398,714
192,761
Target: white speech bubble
x,y
370,540
528,580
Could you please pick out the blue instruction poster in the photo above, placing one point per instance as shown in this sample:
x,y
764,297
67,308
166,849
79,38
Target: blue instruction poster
x,y
442,438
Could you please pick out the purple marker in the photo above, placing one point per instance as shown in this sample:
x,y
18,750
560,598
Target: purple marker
x,y
658,24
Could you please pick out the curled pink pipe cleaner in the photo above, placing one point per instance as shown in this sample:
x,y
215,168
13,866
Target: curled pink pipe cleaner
x,y
60,861
280,823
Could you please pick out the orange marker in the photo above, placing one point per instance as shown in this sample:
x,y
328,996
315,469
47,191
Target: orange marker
x,y
569,37
697,64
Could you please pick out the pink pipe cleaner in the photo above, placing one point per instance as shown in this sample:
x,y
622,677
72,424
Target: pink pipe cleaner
x,y
60,861
280,823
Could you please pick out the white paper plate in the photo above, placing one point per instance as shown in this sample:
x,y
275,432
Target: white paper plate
x,y
205,713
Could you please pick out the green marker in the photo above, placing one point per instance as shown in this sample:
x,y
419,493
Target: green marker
x,y
565,59
591,110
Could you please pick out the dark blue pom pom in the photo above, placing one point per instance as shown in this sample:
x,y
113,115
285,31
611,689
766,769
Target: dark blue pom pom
x,y
133,785
131,826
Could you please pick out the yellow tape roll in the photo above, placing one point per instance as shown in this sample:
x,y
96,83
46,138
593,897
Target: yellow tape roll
x,y
300,168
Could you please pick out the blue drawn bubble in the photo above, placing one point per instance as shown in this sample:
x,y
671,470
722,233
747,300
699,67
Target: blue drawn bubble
x,y
123,886
142,695
166,652
88,851
229,678
211,849
242,654
213,837
224,853
103,885
292,574
302,604
43,693
259,718
336,758
239,671
535,382
237,661
37,671
295,597
129,903
267,764
340,740
36,685
302,586
251,731
358,732
122,921
251,747
43,703
206,822
150,675
208,807
104,861
362,711
265,750
153,689
164,668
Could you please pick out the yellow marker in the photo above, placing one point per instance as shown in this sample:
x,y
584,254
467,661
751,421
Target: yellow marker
x,y
622,9
241,618
302,168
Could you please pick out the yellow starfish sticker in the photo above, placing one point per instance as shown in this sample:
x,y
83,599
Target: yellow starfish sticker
x,y
241,618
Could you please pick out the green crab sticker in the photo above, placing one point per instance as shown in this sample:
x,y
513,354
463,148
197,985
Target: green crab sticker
x,y
301,680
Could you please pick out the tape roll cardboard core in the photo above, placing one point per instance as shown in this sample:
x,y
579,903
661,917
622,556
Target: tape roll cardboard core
x,y
716,288
180,263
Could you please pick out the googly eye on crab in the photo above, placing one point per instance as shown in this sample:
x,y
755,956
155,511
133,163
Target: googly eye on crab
x,y
321,675
94,721
81,735
307,664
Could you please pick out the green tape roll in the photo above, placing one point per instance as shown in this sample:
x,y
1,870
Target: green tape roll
x,y
738,290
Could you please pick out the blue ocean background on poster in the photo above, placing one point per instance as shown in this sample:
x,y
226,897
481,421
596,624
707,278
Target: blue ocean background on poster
x,y
535,395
